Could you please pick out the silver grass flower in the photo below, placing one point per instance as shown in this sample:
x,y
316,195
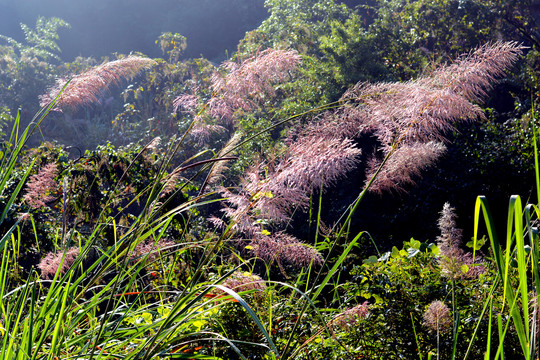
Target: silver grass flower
x,y
401,167
52,262
88,87
216,172
437,317
41,186
246,85
285,250
352,316
454,262
408,120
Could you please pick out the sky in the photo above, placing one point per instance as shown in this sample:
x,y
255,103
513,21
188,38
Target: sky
x,y
102,27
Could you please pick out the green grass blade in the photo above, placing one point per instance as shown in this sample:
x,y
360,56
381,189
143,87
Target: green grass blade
x,y
416,337
515,213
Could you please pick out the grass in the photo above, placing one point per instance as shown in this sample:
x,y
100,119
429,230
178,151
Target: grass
x,y
521,253
107,305
106,308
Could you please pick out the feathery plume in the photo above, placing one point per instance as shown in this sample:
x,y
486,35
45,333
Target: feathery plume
x,y
169,183
474,73
450,235
187,102
415,111
352,316
425,108
244,281
246,85
216,172
41,186
260,197
405,163
454,260
153,145
51,263
284,249
201,132
437,318
24,216
88,87
408,120
413,117
310,164
151,249
314,162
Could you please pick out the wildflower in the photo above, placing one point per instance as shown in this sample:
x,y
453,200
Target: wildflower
x,y
52,263
437,317
41,186
87,88
352,316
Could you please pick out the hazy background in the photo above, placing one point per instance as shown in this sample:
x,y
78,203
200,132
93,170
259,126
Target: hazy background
x,y
101,27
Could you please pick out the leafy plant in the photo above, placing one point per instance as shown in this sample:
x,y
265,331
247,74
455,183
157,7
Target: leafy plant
x,y
40,42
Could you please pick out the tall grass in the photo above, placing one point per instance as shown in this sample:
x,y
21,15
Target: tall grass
x,y
104,308
105,305
516,260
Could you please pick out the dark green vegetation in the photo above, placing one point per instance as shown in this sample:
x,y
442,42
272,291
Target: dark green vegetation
x,y
321,195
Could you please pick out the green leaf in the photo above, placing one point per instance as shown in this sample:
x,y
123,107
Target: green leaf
x,y
415,244
371,260
395,252
435,250
479,243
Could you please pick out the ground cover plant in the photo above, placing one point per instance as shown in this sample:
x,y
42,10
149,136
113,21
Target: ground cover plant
x,y
223,216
